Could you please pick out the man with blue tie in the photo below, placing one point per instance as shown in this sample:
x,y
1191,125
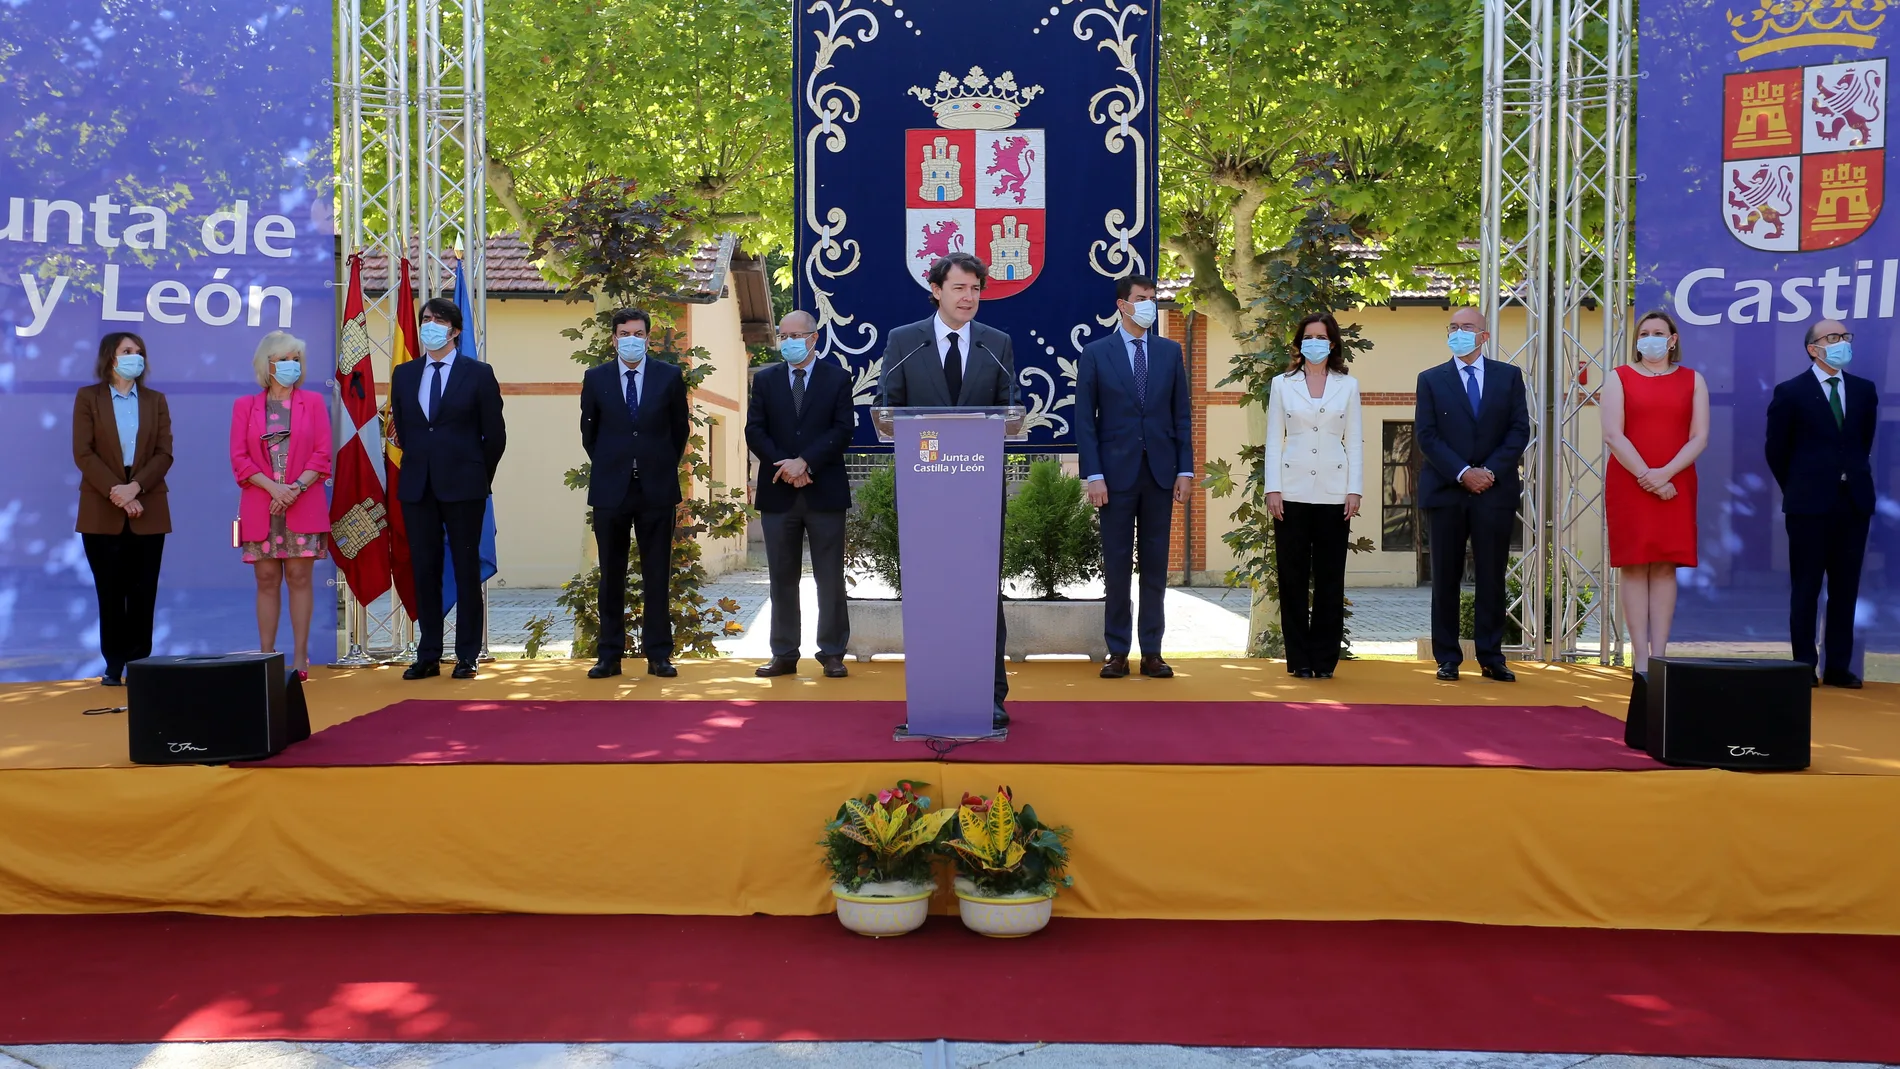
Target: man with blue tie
x,y
1820,441
634,426
1471,423
1135,439
446,414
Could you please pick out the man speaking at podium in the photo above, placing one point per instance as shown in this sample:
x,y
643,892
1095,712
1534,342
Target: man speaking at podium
x,y
949,360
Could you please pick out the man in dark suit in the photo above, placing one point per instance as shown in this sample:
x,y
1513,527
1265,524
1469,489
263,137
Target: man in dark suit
x,y
634,426
1133,432
1820,438
948,360
1471,423
446,414
798,422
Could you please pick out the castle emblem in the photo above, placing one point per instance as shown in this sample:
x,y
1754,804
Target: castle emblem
x,y
1804,152
927,447
975,183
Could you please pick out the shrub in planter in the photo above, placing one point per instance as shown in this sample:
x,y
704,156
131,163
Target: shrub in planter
x,y
879,850
870,530
1050,535
1009,865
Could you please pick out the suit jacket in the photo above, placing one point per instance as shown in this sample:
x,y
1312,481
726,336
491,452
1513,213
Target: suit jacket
x,y
775,431
1452,439
454,455
913,369
1113,432
617,442
97,452
309,451
1812,458
1315,448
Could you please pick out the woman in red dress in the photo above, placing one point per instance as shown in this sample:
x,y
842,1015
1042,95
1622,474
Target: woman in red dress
x,y
1655,423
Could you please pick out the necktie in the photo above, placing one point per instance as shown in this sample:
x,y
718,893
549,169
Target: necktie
x,y
953,368
633,392
798,390
1834,398
435,388
1471,387
1141,372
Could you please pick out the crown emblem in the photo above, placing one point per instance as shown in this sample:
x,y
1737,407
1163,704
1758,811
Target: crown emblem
x,y
979,102
1775,25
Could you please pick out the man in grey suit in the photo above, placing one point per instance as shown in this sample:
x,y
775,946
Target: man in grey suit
x,y
951,360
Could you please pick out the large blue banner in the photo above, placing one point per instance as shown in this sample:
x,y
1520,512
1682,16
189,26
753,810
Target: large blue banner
x,y
1022,133
164,169
1762,149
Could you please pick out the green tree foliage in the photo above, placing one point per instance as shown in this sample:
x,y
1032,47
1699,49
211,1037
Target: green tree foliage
x,y
1249,89
1049,532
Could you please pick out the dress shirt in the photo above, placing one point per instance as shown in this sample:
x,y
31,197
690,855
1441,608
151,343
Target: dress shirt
x,y
428,373
1820,373
943,342
639,379
1128,346
125,413
1459,365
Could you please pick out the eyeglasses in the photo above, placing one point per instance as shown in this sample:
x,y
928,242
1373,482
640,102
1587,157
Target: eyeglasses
x,y
1830,339
1456,327
801,334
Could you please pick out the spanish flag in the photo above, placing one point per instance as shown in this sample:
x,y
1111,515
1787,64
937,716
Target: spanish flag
x,y
406,349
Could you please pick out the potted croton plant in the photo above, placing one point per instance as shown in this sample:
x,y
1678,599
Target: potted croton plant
x,y
879,851
1009,865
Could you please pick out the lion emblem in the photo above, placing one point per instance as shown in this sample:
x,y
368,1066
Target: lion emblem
x,y
1852,102
1766,197
940,240
1014,160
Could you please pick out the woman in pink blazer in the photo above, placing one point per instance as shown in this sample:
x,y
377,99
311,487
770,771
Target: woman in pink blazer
x,y
280,451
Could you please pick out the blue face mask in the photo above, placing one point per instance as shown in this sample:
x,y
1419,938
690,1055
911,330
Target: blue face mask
x,y
433,336
1144,314
1316,349
286,372
1652,347
794,350
129,365
1461,342
1839,355
632,350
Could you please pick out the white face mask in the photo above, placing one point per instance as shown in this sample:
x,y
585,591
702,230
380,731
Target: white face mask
x,y
1653,347
1144,314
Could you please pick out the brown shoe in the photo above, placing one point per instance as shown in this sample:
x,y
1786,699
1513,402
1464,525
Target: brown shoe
x,y
1115,667
1154,667
777,666
834,667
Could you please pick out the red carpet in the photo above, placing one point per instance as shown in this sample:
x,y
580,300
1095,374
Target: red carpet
x,y
141,978
1132,733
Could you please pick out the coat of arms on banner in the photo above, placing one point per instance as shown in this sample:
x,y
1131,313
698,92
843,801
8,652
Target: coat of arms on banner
x,y
1804,154
975,183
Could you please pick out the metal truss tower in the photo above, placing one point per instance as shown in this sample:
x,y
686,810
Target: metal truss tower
x,y
1555,229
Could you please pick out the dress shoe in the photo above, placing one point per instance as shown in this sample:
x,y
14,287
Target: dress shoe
x,y
111,679
1448,673
464,670
422,670
1322,675
661,667
1154,667
1498,672
999,719
1302,673
1845,680
606,666
777,666
1116,666
834,666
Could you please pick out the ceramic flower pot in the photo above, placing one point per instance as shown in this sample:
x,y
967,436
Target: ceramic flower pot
x,y
1003,918
879,910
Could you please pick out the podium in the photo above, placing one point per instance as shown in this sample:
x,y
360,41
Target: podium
x,y
950,546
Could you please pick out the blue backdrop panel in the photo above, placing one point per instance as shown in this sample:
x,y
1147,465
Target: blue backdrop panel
x,y
164,169
1023,133
1762,145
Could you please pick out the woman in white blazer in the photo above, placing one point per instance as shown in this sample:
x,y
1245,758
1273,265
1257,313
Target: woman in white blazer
x,y
1313,472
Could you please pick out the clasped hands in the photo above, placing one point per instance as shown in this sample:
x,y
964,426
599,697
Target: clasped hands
x,y
794,471
126,496
1655,483
1477,480
283,495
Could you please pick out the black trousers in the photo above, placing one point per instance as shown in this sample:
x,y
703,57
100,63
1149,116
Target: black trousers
x,y
1309,548
615,532
1488,529
125,576
1828,549
785,536
429,522
1134,521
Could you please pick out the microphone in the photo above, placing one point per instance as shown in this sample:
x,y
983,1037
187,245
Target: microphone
x,y
999,366
884,373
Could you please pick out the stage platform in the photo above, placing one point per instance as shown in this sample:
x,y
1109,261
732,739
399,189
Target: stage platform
x,y
1180,813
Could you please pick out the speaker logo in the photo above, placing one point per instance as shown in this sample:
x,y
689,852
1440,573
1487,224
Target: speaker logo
x,y
1745,751
184,747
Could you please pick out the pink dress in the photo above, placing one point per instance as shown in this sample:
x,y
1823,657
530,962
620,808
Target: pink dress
x,y
283,543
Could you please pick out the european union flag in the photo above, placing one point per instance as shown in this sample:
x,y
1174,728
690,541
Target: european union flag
x,y
465,349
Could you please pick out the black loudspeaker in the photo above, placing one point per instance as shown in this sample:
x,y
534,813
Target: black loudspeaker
x,y
210,710
1745,715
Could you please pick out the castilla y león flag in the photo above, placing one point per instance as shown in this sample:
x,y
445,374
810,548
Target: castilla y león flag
x,y
359,511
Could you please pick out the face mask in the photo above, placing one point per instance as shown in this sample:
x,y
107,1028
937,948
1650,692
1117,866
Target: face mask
x,y
1461,342
1144,314
632,350
1316,349
129,366
1839,355
433,335
287,372
794,350
1652,347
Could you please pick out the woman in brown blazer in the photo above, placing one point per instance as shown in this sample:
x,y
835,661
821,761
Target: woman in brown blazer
x,y
122,442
